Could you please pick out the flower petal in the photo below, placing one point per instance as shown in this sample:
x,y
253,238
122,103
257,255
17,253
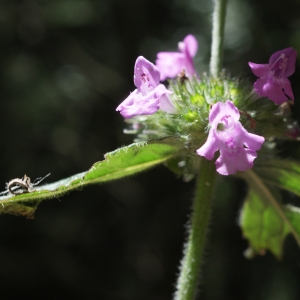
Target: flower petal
x,y
272,90
287,89
191,45
137,104
170,64
276,95
252,141
287,52
262,86
291,65
291,55
209,148
227,165
219,110
165,104
259,70
144,70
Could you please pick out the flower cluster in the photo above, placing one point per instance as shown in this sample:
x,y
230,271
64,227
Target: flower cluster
x,y
273,82
184,108
170,64
237,146
149,95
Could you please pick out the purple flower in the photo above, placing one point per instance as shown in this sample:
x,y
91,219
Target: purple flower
x,y
273,82
237,146
149,95
170,64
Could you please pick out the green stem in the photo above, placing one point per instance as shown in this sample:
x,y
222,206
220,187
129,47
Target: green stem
x,y
190,267
219,15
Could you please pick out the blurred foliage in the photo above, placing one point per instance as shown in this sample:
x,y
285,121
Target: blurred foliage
x,y
65,66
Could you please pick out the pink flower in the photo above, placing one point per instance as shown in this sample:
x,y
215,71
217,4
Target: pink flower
x,y
237,146
273,82
170,64
149,95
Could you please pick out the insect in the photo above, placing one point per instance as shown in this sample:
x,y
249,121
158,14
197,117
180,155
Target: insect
x,y
182,77
22,185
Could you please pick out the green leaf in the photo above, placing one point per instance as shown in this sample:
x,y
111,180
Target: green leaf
x,y
293,214
23,209
117,164
264,220
132,159
280,173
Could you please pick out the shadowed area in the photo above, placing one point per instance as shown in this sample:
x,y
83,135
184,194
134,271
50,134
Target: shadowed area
x,y
65,67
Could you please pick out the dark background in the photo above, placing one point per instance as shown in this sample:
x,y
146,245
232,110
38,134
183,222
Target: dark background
x,y
65,66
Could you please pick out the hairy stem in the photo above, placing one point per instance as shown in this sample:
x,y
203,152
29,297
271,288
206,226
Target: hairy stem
x,y
188,280
219,15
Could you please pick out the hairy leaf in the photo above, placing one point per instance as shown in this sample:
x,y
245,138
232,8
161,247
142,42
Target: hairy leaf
x,y
265,221
281,173
117,164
